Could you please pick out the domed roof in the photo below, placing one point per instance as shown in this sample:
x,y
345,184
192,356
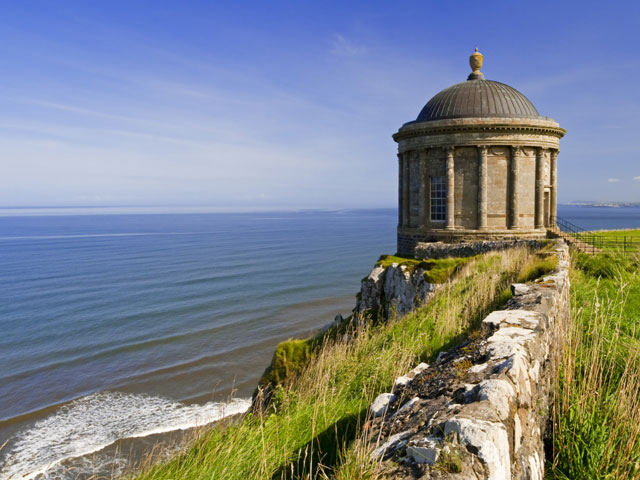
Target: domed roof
x,y
477,97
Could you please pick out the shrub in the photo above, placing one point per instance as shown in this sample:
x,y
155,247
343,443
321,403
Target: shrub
x,y
289,358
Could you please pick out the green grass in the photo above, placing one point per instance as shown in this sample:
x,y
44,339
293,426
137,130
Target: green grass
x,y
619,234
289,359
312,426
436,270
614,240
596,432
540,264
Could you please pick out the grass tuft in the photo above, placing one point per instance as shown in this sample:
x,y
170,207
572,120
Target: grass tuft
x,y
537,266
289,359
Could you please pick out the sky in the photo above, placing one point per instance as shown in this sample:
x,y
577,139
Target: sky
x,y
292,104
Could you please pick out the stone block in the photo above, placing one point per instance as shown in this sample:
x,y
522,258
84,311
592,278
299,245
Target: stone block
x,y
381,404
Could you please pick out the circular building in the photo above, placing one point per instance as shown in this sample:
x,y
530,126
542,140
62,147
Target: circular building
x,y
479,163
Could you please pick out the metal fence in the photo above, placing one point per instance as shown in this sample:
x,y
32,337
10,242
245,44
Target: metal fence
x,y
594,242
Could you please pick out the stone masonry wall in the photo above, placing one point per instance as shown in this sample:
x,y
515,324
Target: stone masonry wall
x,y
411,243
480,411
426,250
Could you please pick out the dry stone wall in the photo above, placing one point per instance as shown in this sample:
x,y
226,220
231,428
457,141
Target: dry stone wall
x,y
480,411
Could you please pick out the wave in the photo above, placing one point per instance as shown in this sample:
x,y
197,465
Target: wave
x,y
91,423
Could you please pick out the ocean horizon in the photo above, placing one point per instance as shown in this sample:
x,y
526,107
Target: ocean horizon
x,y
127,325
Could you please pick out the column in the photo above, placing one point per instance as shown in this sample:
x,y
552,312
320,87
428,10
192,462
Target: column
x,y
406,220
540,187
450,190
400,192
554,185
482,187
423,202
515,211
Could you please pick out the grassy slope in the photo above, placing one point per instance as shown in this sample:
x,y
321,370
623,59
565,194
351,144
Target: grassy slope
x,y
291,356
310,430
597,411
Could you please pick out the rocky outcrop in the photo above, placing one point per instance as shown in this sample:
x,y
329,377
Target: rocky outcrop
x,y
395,289
480,411
400,288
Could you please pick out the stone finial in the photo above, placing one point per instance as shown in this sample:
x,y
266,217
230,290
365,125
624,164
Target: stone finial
x,y
475,60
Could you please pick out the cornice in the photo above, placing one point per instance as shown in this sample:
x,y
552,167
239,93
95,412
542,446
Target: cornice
x,y
536,126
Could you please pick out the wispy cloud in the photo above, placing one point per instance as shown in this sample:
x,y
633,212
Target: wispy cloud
x,y
346,48
79,110
637,179
613,180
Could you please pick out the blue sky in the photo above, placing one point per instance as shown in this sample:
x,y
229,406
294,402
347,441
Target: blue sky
x,y
292,104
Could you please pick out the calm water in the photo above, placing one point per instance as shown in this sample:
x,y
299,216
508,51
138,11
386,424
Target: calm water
x,y
126,325
121,326
601,218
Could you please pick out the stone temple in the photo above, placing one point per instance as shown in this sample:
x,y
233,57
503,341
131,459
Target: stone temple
x,y
479,163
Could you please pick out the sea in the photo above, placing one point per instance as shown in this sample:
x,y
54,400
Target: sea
x,y
122,325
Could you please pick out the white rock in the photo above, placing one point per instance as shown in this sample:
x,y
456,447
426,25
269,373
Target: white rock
x,y
376,273
402,288
399,291
519,289
489,438
427,455
402,381
536,472
504,318
517,433
420,368
394,441
517,332
409,405
381,403
509,341
499,393
478,368
516,368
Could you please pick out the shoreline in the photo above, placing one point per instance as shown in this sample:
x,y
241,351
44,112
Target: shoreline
x,y
123,455
107,456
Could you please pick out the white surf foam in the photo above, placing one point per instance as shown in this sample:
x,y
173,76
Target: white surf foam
x,y
92,423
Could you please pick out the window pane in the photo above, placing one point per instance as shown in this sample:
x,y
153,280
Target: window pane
x,y
438,199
